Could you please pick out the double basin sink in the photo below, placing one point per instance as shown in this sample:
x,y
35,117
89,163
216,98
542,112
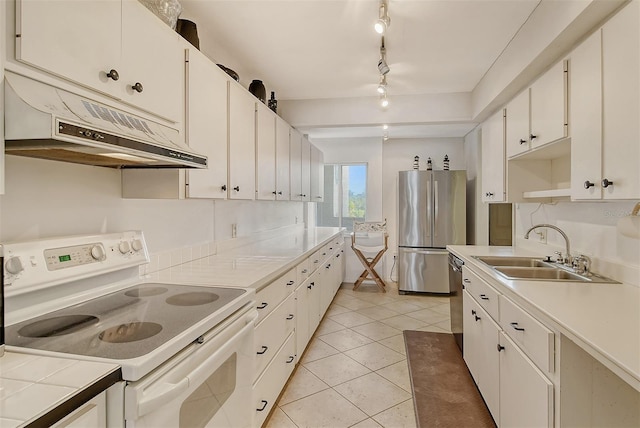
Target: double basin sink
x,y
534,268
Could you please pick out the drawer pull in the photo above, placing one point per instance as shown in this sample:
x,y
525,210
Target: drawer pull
x,y
515,326
290,282
309,286
290,317
473,311
304,271
466,280
264,349
291,358
484,297
500,347
113,74
264,405
328,266
477,318
262,306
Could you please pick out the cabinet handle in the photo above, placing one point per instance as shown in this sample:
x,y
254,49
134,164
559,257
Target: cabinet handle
x,y
473,311
309,286
237,188
588,184
264,405
274,192
488,194
328,266
137,87
606,183
223,187
477,318
304,271
290,283
523,141
263,305
313,284
515,326
279,193
466,280
318,197
113,74
290,317
533,137
500,347
291,358
484,297
264,349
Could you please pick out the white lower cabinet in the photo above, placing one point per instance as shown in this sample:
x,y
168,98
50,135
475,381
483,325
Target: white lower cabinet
x,y
271,333
90,414
526,395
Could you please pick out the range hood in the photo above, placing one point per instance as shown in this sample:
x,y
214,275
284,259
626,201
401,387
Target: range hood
x,y
46,122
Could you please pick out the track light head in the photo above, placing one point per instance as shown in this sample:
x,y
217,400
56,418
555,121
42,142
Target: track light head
x,y
384,101
383,67
383,21
382,87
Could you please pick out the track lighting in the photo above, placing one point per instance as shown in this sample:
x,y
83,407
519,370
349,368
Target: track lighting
x,y
384,101
383,21
382,87
383,68
385,126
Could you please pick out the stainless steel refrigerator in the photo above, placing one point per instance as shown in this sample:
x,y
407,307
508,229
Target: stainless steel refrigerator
x,y
432,214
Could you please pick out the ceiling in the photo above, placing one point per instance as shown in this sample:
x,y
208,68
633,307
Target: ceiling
x,y
318,49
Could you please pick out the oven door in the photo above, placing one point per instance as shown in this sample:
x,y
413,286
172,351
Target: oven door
x,y
205,385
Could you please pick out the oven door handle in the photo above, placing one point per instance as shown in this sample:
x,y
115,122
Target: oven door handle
x,y
166,392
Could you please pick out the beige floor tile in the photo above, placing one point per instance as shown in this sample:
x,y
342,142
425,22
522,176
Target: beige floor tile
x,y
336,309
433,329
279,419
377,312
375,356
403,322
302,384
443,309
372,393
445,325
379,299
317,349
355,304
343,298
428,301
400,416
324,409
396,343
344,340
367,423
329,326
376,330
428,316
397,373
402,307
336,369
351,319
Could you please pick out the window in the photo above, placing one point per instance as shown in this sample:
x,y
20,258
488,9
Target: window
x,y
345,196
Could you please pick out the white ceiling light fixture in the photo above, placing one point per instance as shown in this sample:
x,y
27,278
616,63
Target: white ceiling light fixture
x,y
385,126
383,68
382,87
383,21
384,101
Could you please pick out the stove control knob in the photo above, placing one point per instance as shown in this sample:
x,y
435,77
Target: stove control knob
x,y
136,244
124,247
14,265
97,252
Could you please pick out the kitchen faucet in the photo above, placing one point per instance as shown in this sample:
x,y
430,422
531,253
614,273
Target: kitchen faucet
x,y
567,260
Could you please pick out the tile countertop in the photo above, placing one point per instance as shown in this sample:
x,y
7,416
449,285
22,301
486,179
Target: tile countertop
x,y
33,387
603,319
253,265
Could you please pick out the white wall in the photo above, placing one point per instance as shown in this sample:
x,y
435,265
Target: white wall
x,y
477,211
46,198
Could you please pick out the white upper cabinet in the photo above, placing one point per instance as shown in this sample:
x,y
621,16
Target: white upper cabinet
x,y
282,159
621,104
517,129
305,169
548,106
295,166
206,125
586,118
265,153
242,143
118,48
493,147
317,174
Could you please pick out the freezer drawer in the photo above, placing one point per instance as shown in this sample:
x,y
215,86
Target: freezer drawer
x,y
423,270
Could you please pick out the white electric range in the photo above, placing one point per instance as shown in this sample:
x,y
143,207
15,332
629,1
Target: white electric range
x,y
185,350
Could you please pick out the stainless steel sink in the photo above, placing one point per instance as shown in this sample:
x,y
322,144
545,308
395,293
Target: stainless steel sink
x,y
513,261
550,273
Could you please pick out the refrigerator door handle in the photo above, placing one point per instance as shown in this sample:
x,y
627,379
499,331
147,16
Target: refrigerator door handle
x,y
435,201
429,210
423,251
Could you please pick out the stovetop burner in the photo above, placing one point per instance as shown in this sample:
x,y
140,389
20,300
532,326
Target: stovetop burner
x,y
122,325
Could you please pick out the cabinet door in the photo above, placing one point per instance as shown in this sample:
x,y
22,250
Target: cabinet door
x,y
305,169
493,161
517,126
586,118
621,103
242,138
206,125
265,153
548,106
315,299
526,395
151,57
302,316
282,159
317,175
295,165
76,40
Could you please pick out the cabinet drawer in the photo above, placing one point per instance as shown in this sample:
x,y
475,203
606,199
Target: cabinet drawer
x,y
535,339
303,270
482,292
271,333
315,260
268,387
270,296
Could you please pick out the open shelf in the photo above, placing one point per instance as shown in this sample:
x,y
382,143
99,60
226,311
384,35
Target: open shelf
x,y
552,193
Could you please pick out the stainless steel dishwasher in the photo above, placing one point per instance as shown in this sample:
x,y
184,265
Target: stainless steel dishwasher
x,y
455,301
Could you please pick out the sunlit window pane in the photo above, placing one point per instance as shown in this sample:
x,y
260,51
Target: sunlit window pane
x,y
345,197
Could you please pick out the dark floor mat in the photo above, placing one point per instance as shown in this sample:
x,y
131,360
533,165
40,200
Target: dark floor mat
x,y
444,393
